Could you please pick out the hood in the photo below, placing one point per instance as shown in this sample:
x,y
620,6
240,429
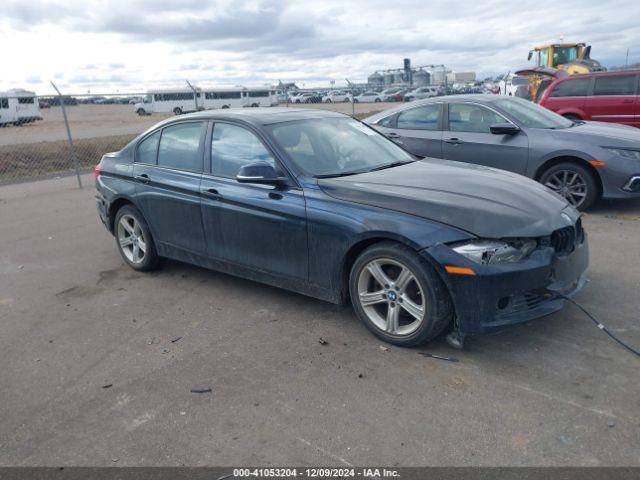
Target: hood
x,y
611,134
486,202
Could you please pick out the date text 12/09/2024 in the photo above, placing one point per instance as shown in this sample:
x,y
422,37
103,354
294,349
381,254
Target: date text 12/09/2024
x,y
320,473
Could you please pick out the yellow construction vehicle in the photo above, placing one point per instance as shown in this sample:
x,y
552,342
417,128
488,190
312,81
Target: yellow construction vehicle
x,y
557,60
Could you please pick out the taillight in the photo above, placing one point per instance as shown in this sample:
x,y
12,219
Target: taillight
x,y
96,170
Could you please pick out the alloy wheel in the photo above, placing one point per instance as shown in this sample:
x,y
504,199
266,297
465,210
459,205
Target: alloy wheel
x,y
131,239
391,296
570,185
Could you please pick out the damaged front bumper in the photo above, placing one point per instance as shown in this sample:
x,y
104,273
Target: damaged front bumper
x,y
507,294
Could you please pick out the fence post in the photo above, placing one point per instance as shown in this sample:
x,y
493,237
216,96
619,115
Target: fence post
x,y
72,151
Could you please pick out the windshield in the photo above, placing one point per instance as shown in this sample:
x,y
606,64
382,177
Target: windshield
x,y
531,115
562,55
336,146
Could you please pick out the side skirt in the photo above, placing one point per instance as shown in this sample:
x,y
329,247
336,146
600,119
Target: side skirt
x,y
292,284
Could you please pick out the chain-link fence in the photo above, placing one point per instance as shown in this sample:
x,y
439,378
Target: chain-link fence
x,y
35,142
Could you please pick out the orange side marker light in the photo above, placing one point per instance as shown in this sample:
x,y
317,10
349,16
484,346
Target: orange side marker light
x,y
597,163
459,270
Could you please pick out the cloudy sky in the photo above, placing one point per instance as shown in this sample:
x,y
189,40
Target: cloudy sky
x,y
133,45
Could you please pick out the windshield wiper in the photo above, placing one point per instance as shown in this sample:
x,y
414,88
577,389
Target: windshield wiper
x,y
391,165
334,175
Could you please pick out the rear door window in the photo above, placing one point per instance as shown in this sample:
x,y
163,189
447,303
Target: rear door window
x,y
615,85
420,118
572,88
180,147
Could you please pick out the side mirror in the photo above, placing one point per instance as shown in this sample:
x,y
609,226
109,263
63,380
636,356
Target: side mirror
x,y
530,55
504,129
261,173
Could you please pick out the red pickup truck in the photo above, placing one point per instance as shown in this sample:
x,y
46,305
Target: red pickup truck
x,y
602,97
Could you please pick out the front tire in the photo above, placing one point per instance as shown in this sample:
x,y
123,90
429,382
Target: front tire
x,y
134,240
177,111
574,182
398,296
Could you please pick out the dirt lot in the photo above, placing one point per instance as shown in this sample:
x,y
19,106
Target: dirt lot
x,y
91,121
98,363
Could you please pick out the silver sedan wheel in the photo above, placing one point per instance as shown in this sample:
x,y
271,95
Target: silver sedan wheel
x,y
570,185
131,239
391,296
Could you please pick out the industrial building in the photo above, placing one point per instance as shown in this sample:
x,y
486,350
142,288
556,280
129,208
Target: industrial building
x,y
418,76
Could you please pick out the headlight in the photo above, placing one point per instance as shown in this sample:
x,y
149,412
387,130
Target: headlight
x,y
492,251
624,153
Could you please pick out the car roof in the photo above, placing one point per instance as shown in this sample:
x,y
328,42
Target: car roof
x,y
472,97
258,116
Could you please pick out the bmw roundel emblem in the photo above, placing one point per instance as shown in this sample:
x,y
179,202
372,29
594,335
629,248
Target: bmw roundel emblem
x,y
392,296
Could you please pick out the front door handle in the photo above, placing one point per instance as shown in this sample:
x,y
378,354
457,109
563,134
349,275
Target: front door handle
x,y
211,193
144,178
393,135
453,141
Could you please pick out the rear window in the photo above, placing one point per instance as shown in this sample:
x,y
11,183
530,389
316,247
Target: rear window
x,y
615,85
572,88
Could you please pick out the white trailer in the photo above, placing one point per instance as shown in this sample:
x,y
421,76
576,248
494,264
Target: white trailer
x,y
19,106
176,101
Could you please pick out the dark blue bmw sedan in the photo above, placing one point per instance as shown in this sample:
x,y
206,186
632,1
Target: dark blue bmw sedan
x,y
321,204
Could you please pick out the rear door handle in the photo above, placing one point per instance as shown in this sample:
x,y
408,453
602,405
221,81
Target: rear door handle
x,y
211,193
453,141
144,178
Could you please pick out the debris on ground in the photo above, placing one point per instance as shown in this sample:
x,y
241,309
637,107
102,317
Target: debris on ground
x,y
165,351
360,375
383,348
108,385
322,341
611,424
20,267
114,460
153,341
439,357
177,339
201,390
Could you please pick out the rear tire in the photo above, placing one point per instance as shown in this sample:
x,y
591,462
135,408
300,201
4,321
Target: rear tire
x,y
141,112
574,182
134,240
177,111
398,296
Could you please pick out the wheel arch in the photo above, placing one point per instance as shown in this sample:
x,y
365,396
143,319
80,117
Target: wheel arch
x,y
115,205
360,246
551,162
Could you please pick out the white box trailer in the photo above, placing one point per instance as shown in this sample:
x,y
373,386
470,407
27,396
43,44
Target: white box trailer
x,y
176,101
19,106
